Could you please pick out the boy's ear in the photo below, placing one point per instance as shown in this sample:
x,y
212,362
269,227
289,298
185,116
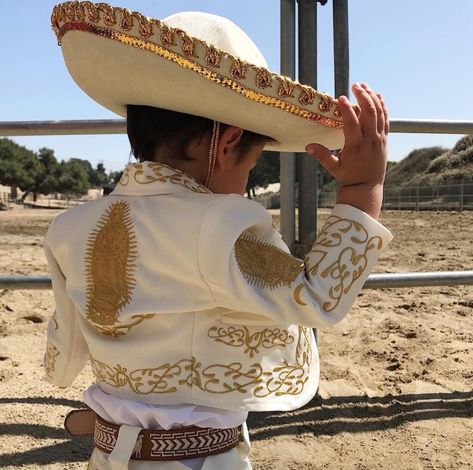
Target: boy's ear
x,y
227,146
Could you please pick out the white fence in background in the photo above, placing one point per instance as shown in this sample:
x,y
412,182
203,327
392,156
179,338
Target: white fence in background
x,y
455,196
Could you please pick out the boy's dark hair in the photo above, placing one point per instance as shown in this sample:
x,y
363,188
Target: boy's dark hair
x,y
149,128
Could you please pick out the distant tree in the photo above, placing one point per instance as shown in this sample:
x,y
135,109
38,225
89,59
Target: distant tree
x,y
99,178
114,177
96,177
85,164
264,173
49,172
18,166
74,177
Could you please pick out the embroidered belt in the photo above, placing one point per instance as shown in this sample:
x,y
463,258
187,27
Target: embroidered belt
x,y
173,444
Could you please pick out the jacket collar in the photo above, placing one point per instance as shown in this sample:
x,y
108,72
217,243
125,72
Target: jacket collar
x,y
155,178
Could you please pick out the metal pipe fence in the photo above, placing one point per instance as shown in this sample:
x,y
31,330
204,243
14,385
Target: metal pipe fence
x,y
287,159
455,196
374,281
118,126
81,127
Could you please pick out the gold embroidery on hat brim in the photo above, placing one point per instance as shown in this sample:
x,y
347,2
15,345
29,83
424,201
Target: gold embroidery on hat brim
x,y
204,72
123,18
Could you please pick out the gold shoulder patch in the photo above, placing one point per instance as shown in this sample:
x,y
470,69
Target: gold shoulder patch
x,y
111,251
265,265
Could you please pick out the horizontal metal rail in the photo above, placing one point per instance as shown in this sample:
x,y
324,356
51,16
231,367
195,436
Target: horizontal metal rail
x,y
374,281
25,282
431,126
118,126
73,127
425,279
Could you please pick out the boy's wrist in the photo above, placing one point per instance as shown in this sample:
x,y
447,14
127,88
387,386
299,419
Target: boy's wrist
x,y
367,197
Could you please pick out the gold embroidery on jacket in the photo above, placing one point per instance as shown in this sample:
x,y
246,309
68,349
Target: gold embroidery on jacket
x,y
289,378
122,329
264,264
125,178
297,294
162,379
146,173
351,262
54,320
50,359
241,336
286,379
164,173
111,250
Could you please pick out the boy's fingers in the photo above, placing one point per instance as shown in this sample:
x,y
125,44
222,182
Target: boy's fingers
x,y
324,156
385,113
379,108
368,116
351,125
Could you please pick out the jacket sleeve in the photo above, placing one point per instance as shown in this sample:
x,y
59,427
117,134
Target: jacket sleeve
x,y
250,271
66,350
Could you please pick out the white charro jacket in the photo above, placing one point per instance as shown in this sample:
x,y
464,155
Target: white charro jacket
x,y
178,295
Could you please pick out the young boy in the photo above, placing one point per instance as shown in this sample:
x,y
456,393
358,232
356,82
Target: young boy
x,y
179,290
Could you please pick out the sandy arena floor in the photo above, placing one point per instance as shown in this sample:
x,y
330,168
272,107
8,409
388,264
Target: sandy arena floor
x,y
397,377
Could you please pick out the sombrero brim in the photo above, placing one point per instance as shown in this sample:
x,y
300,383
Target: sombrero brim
x,y
120,57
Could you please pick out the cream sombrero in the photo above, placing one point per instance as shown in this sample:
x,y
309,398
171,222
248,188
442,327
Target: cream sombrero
x,y
191,62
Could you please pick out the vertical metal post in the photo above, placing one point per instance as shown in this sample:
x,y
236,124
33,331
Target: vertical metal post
x,y
341,47
417,198
462,192
287,160
307,165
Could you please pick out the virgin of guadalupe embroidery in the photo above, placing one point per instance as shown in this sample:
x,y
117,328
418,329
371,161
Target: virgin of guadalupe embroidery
x,y
265,265
111,251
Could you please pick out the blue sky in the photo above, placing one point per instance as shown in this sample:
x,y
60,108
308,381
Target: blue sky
x,y
417,53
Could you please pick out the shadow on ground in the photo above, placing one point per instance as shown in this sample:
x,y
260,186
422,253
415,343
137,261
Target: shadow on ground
x,y
360,414
319,417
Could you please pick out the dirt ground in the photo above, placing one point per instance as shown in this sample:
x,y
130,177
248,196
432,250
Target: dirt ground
x,y
396,386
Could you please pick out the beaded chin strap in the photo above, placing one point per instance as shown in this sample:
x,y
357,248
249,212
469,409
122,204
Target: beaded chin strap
x,y
213,151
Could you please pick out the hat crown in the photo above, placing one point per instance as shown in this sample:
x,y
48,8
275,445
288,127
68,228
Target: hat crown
x,y
220,32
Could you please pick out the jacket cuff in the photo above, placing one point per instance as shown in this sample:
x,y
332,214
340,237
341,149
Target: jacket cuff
x,y
346,211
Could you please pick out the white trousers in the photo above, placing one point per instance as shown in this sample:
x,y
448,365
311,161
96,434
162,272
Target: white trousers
x,y
233,459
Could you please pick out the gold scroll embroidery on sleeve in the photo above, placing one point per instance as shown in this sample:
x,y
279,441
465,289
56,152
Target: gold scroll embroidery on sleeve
x,y
50,359
288,378
351,262
111,251
265,265
53,320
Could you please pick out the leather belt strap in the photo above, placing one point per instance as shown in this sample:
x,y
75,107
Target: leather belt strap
x,y
155,445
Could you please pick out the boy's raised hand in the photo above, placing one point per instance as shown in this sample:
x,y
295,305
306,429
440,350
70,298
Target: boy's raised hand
x,y
361,166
